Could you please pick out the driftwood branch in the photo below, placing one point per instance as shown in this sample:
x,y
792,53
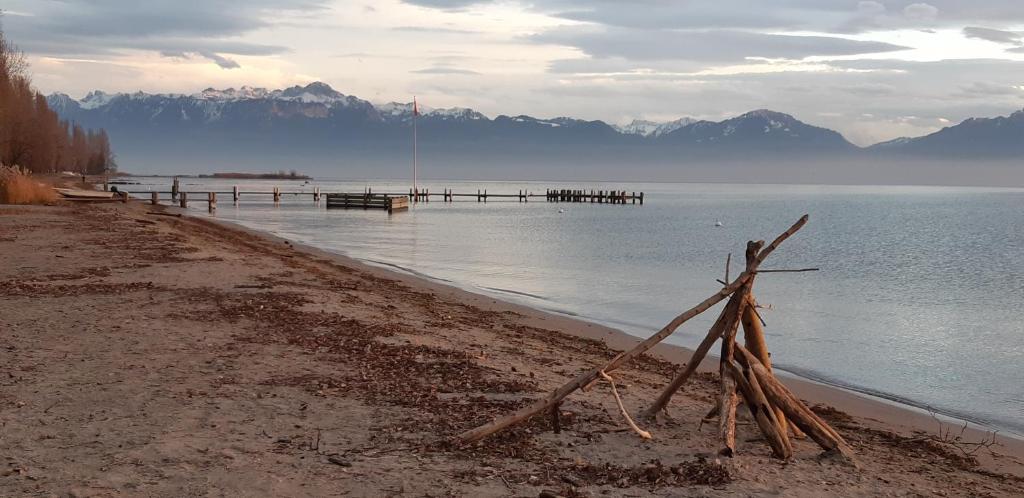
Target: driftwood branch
x,y
762,412
797,270
794,409
589,376
625,414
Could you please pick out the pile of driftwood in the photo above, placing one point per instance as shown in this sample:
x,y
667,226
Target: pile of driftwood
x,y
745,371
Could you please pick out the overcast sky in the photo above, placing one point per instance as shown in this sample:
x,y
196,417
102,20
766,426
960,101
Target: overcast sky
x,y
872,69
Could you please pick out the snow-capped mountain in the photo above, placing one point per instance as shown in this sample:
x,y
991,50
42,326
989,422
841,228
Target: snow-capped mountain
x,y
647,128
316,124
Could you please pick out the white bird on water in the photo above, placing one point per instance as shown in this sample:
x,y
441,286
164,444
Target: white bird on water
x,y
718,223
560,211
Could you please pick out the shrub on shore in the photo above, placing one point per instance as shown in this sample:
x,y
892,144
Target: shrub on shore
x,y
18,187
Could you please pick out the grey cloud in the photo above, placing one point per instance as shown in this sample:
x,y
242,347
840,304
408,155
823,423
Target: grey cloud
x,y
985,89
447,4
812,15
434,30
103,26
221,61
708,46
444,70
993,35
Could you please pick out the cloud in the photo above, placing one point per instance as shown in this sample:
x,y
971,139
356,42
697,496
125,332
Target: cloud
x,y
447,4
993,35
921,12
708,46
984,89
823,16
444,70
220,60
209,27
434,30
223,62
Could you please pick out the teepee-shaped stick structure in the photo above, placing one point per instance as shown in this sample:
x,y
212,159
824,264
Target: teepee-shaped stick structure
x,y
745,371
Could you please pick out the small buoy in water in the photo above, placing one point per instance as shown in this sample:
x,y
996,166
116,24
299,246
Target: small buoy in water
x,y
560,211
718,223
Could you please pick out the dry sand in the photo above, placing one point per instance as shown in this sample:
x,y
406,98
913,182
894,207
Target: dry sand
x,y
145,355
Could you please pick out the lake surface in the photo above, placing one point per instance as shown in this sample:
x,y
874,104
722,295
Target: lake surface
x,y
918,299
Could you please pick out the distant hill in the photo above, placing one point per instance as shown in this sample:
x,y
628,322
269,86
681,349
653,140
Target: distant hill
x,y
326,133
992,138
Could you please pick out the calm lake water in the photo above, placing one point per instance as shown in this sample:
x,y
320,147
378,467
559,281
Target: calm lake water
x,y
918,299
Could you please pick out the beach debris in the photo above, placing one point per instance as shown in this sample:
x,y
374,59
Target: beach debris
x,y
743,371
642,433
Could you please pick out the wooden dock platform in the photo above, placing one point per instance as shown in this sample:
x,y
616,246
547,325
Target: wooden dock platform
x,y
367,201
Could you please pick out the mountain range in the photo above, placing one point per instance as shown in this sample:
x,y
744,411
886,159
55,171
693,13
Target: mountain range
x,y
321,131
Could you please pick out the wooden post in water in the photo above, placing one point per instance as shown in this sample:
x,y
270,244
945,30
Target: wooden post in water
x,y
174,190
641,198
234,194
184,199
277,195
485,195
154,198
211,201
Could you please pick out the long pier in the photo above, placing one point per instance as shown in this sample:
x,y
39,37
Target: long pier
x,y
349,199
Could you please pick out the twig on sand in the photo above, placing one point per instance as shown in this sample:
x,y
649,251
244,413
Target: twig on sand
x,y
644,434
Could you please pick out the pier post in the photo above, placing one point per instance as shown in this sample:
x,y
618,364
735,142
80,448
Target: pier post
x,y
211,200
184,199
154,198
174,190
277,195
485,195
234,194
124,197
641,198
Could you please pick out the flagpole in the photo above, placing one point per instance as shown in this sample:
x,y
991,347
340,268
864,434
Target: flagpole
x,y
415,187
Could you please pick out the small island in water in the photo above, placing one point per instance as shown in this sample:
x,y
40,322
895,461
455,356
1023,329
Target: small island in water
x,y
280,175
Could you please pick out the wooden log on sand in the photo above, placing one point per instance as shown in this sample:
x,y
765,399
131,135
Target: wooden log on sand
x,y
590,376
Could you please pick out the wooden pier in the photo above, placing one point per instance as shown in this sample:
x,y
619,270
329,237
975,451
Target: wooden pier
x,y
394,201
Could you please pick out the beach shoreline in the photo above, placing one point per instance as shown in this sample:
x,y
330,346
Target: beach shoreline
x,y
888,411
200,262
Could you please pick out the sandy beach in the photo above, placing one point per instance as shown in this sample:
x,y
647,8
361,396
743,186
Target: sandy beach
x,y
148,354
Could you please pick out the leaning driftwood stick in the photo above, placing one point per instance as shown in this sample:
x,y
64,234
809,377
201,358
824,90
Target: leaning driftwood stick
x,y
589,376
753,338
727,395
781,397
762,412
727,413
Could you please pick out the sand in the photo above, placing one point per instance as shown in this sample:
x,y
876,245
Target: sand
x,y
147,355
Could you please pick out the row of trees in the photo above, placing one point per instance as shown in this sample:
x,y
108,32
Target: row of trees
x,y
33,136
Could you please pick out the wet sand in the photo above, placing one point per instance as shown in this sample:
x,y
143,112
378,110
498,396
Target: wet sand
x,y
163,356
